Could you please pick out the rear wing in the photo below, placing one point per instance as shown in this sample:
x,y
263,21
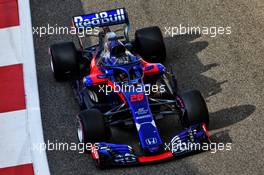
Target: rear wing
x,y
101,19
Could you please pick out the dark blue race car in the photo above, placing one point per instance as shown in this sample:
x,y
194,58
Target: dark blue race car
x,y
122,81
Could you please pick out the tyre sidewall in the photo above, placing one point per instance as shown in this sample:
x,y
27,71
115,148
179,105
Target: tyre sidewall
x,y
196,109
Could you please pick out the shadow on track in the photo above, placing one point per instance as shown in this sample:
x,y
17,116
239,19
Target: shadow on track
x,y
229,116
182,53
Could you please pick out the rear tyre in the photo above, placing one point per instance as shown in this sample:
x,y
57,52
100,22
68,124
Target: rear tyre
x,y
64,61
150,45
91,127
196,109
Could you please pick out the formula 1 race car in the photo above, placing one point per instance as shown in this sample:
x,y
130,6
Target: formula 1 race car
x,y
123,81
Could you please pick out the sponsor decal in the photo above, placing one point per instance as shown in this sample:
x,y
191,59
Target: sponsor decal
x,y
143,116
151,141
141,111
105,18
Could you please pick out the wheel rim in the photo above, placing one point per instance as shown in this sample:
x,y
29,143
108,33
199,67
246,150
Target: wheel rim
x,y
80,131
93,95
51,65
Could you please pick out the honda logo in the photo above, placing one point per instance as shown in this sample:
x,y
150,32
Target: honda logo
x,y
151,141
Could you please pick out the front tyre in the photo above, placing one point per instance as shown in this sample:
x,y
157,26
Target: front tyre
x,y
91,127
196,109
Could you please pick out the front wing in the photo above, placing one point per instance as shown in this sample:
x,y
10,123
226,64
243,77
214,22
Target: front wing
x,y
189,140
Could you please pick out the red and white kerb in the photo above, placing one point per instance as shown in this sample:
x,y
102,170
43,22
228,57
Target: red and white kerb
x,y
15,157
